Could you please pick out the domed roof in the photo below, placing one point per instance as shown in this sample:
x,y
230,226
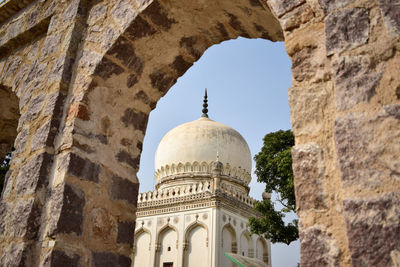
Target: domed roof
x,y
200,141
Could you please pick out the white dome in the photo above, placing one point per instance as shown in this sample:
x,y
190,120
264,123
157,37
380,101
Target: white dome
x,y
198,142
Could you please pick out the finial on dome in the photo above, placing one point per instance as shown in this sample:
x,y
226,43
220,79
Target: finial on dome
x,y
205,105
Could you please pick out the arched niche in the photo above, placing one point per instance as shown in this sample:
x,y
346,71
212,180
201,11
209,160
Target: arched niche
x,y
262,250
246,247
142,247
195,247
167,246
228,244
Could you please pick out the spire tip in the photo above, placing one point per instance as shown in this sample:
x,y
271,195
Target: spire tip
x,y
205,105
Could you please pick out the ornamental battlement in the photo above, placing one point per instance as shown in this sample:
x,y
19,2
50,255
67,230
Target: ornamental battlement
x,y
189,192
201,168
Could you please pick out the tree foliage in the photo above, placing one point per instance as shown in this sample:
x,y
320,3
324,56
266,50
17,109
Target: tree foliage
x,y
4,166
274,168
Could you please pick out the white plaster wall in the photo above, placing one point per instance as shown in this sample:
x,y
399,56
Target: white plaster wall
x,y
180,221
214,220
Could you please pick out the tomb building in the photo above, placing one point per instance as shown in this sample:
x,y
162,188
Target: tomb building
x,y
200,207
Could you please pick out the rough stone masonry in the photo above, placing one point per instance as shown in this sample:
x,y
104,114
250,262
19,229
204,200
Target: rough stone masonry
x,y
78,79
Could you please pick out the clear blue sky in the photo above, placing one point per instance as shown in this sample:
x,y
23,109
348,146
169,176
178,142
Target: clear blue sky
x,y
247,82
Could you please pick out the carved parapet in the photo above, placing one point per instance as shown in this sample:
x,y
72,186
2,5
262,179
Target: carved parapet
x,y
174,192
192,169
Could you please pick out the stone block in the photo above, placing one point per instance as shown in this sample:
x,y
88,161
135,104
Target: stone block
x,y
21,141
123,189
373,228
81,168
108,37
318,248
126,232
365,146
355,80
283,6
25,219
66,207
346,29
89,61
44,136
97,13
123,50
13,254
158,16
235,23
54,105
391,15
139,28
107,68
101,223
144,98
4,214
137,119
35,107
51,45
123,12
124,156
328,5
58,258
161,81
106,259
301,15
303,67
307,106
180,65
352,140
36,74
308,170
33,175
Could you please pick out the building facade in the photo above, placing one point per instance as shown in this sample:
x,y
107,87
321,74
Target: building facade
x,y
200,207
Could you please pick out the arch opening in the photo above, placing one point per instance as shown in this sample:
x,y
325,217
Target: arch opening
x,y
142,65
9,116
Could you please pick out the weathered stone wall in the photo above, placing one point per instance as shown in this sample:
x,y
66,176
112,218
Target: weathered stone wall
x,y
88,73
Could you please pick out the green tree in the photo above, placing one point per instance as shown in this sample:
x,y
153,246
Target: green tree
x,y
4,166
274,168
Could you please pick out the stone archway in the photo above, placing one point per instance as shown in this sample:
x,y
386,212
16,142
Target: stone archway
x,y
88,73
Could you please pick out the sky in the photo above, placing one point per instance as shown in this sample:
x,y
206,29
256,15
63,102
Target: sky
x,y
247,82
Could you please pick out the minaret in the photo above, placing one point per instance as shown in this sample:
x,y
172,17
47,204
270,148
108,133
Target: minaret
x,y
205,105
